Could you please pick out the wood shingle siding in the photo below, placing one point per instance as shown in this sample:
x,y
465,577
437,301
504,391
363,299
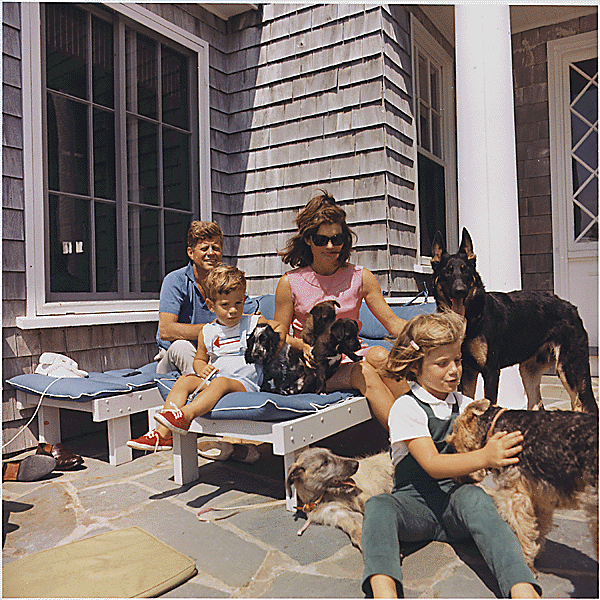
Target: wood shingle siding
x,y
301,97
305,90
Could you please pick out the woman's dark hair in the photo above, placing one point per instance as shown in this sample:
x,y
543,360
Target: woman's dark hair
x,y
321,209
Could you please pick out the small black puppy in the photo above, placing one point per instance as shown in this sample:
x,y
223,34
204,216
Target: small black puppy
x,y
320,317
341,337
285,368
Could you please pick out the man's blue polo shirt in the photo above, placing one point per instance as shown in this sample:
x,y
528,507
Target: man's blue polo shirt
x,y
179,295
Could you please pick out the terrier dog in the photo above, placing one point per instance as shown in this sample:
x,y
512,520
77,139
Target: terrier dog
x,y
557,468
332,490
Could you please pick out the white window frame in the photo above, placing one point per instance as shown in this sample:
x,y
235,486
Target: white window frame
x,y
422,40
39,312
561,53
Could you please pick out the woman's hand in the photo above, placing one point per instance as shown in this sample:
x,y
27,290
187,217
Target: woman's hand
x,y
502,448
308,355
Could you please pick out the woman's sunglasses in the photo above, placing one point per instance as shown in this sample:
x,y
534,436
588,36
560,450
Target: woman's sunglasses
x,y
322,240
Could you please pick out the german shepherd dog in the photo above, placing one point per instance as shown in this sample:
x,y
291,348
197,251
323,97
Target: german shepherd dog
x,y
535,330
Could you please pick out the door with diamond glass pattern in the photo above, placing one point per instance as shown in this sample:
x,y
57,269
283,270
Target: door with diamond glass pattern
x,y
573,104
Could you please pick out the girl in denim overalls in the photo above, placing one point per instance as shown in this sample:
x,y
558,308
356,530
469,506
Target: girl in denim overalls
x,y
427,503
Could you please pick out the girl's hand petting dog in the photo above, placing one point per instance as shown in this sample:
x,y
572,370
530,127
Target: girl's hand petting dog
x,y
502,448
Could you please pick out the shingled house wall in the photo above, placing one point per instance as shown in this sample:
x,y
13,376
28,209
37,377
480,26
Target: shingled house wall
x,y
301,97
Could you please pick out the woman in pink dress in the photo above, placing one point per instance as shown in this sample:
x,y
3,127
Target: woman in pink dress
x,y
319,252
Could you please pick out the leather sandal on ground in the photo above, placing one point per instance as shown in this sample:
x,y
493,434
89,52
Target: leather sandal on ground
x,y
247,453
65,459
32,468
215,450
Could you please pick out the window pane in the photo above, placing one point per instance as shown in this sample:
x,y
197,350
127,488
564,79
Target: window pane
x,y
587,105
589,66
106,247
142,160
175,88
104,154
423,82
66,49
68,169
588,199
436,134
144,270
432,202
176,226
176,169
587,151
142,75
69,244
424,127
434,77
103,72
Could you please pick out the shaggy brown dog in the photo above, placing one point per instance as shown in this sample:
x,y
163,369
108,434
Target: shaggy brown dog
x,y
557,468
332,490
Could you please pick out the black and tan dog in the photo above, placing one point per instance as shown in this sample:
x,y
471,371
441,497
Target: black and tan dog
x,y
557,468
341,337
319,318
535,330
283,367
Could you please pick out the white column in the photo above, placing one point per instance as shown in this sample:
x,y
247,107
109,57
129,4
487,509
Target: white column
x,y
487,172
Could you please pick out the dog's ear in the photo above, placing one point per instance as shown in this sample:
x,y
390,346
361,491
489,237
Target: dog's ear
x,y
479,406
338,330
437,249
294,474
466,245
336,303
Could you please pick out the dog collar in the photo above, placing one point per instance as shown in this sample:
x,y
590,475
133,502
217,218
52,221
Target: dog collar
x,y
306,508
493,424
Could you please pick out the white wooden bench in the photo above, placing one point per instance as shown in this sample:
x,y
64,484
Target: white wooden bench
x,y
288,438
115,410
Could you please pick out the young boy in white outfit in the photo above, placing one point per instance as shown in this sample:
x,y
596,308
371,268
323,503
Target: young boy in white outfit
x,y
219,364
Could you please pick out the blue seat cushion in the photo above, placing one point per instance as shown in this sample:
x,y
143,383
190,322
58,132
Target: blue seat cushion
x,y
373,330
83,389
264,406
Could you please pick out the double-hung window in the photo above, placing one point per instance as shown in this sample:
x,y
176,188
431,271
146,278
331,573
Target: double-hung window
x,y
436,147
123,147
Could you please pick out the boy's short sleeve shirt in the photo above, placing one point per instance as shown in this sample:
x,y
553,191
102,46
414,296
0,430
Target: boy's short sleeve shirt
x,y
408,420
179,295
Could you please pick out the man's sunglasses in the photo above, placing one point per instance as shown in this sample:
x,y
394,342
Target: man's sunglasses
x,y
322,240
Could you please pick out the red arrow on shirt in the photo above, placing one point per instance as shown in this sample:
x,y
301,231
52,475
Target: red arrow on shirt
x,y
218,343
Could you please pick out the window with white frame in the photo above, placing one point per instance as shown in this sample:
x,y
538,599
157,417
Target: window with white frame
x,y
120,164
115,226
436,148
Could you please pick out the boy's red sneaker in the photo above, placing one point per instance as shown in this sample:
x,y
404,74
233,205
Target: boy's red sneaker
x,y
173,419
152,441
